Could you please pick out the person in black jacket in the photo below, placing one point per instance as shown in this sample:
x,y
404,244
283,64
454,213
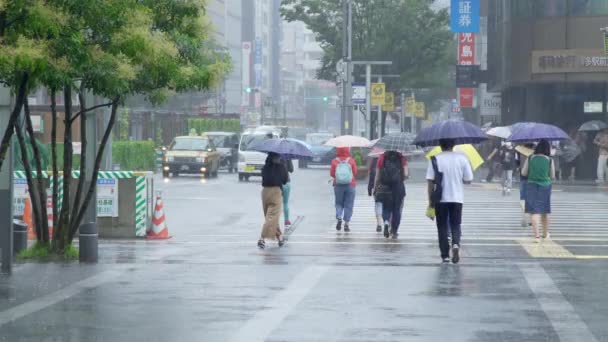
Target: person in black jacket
x,y
274,176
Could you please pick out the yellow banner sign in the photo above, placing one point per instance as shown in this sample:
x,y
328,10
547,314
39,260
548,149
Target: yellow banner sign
x,y
389,102
378,94
420,110
410,104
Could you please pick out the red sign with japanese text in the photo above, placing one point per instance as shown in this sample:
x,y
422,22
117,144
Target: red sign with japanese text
x,y
466,56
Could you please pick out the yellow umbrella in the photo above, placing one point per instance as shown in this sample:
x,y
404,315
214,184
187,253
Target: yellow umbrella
x,y
468,150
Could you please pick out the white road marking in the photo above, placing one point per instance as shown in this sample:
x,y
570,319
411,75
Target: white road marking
x,y
264,322
566,322
45,301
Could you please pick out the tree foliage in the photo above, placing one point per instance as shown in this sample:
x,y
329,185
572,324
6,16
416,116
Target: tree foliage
x,y
407,32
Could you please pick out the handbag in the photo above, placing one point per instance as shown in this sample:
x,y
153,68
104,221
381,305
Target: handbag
x,y
437,192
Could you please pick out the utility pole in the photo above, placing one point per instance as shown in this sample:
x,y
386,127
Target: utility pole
x,y
347,81
368,87
6,187
402,120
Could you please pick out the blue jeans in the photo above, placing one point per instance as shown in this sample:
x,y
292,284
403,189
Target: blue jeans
x,y
345,201
286,191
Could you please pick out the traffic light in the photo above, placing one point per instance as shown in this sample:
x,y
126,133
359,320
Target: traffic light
x,y
325,98
248,90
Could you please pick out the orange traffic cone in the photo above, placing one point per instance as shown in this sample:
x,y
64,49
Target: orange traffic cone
x,y
27,218
159,226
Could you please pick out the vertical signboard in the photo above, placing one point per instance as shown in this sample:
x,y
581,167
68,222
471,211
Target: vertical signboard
x,y
246,73
389,102
107,197
257,62
464,15
466,56
378,94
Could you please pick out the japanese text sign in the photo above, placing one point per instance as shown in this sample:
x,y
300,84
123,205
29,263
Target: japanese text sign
x,y
466,48
464,16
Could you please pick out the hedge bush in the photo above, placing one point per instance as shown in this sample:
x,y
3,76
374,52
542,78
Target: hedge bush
x,y
214,125
134,155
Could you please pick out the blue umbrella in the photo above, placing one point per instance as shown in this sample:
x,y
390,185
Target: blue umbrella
x,y
287,148
533,131
461,131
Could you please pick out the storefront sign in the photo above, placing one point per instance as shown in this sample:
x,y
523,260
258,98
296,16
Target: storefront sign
x,y
107,197
464,16
465,97
466,56
568,61
490,103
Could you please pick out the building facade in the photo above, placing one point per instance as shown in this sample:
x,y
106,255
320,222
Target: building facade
x,y
548,60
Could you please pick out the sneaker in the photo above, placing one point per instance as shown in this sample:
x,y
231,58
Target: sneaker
x,y
446,260
346,228
537,239
281,241
386,233
378,229
261,243
287,223
455,253
339,225
548,236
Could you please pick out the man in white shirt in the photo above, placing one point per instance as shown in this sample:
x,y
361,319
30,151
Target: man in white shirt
x,y
456,171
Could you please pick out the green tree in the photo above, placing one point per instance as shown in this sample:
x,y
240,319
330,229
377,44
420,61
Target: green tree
x,y
111,49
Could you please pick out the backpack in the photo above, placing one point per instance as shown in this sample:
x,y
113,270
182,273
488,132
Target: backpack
x,y
344,172
437,192
392,170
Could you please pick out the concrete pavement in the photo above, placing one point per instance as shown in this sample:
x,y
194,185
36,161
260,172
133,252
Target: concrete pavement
x,y
210,282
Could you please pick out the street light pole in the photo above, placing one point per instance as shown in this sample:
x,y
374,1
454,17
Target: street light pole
x,y
347,107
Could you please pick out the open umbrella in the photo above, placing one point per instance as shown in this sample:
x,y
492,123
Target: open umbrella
x,y
400,142
533,131
287,148
468,150
593,125
461,131
348,141
502,132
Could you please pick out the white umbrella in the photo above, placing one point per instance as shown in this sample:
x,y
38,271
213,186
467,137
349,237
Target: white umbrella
x,y
348,141
502,132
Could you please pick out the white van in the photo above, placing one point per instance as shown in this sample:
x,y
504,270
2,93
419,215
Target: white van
x,y
251,162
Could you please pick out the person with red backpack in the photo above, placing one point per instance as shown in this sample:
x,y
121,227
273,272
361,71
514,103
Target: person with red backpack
x,y
343,171
392,171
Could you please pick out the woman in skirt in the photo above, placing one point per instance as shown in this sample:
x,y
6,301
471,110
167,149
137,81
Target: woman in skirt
x,y
540,170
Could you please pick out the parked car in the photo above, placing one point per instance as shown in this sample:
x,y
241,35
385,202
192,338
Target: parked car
x,y
227,143
322,155
192,155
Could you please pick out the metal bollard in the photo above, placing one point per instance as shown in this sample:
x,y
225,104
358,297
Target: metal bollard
x,y
88,239
19,236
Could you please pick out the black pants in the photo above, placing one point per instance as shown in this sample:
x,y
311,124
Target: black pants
x,y
448,216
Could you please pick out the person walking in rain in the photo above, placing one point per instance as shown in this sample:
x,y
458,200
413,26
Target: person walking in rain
x,y
454,170
392,171
540,170
274,177
286,188
601,140
343,171
507,160
523,185
373,167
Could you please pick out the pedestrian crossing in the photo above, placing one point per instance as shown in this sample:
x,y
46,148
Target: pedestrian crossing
x,y
493,220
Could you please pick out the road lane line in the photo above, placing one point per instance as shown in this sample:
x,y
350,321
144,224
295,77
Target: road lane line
x,y
565,321
45,301
264,322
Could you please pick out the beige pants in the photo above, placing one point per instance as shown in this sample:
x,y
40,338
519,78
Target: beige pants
x,y
272,201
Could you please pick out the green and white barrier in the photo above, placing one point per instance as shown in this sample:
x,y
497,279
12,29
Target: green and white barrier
x,y
105,201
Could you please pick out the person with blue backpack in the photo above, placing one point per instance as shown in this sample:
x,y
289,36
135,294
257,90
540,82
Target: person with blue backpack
x,y
343,171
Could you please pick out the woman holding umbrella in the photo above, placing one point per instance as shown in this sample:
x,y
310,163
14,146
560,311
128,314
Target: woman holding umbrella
x,y
540,170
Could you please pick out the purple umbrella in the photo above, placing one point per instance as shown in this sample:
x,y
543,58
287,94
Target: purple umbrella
x,y
461,131
287,148
534,131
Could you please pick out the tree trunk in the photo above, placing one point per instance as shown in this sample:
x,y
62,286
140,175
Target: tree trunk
x,y
44,227
54,161
98,158
83,156
62,235
32,189
8,132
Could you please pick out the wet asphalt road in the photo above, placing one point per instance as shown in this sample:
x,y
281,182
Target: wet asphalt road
x,y
211,283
